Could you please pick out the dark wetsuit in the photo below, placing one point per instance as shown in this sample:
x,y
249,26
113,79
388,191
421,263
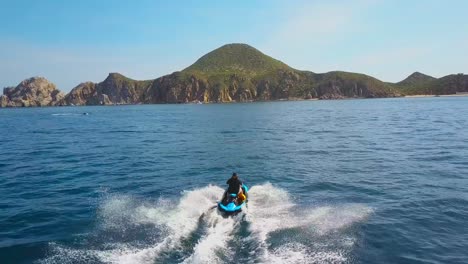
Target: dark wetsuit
x,y
234,185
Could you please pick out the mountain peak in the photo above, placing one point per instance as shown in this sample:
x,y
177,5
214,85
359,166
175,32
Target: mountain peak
x,y
416,77
236,58
36,80
115,77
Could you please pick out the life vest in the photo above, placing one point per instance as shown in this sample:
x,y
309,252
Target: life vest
x,y
241,197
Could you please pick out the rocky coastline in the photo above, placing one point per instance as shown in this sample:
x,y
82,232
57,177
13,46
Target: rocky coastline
x,y
231,73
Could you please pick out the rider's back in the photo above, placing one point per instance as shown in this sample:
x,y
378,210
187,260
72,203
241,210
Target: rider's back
x,y
234,185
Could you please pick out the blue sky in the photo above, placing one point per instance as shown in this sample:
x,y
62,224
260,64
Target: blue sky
x,y
70,42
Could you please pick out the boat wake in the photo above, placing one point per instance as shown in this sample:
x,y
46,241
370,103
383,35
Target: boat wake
x,y
190,230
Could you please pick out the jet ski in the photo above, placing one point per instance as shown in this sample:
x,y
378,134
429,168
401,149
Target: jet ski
x,y
231,204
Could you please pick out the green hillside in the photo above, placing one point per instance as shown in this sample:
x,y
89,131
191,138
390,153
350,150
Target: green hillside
x,y
239,72
421,84
416,78
240,59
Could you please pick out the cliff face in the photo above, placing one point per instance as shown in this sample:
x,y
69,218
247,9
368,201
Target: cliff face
x,y
36,91
282,84
5,101
115,89
81,94
176,88
338,85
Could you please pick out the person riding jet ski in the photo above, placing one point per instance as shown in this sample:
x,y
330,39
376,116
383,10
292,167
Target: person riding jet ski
x,y
235,187
235,197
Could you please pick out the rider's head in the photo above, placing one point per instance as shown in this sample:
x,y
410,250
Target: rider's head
x,y
234,175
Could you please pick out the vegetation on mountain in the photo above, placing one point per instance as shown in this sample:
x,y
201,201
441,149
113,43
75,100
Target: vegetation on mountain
x,y
421,84
240,59
239,72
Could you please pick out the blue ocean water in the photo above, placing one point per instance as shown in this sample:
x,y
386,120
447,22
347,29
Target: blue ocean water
x,y
349,181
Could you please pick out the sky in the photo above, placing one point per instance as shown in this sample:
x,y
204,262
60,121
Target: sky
x,y
70,42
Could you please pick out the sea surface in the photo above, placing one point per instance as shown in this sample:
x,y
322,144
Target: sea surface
x,y
348,181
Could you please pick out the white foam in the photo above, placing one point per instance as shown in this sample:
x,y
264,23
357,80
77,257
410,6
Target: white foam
x,y
178,220
297,253
270,210
218,234
329,218
62,255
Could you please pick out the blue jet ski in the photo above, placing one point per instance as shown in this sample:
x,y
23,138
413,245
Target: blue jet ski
x,y
231,204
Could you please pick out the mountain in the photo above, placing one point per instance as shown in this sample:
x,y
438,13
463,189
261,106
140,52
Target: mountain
x,y
416,78
421,84
115,89
236,59
450,84
239,72
35,91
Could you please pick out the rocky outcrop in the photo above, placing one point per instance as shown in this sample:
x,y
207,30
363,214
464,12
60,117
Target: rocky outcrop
x,y
180,87
5,101
115,89
176,88
35,91
81,94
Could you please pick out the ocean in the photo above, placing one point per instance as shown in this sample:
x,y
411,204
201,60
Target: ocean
x,y
347,181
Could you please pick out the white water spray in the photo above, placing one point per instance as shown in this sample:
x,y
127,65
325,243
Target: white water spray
x,y
270,210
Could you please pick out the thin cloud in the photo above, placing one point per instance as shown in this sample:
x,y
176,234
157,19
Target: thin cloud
x,y
310,34
319,23
386,57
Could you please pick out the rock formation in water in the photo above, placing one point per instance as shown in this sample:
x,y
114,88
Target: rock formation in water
x,y
115,89
35,91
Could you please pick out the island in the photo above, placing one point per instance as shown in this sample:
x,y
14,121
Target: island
x,y
231,73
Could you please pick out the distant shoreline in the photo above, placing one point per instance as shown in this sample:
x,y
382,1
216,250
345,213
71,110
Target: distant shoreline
x,y
433,95
234,102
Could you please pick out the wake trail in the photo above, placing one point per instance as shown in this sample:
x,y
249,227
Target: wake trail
x,y
272,229
273,216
